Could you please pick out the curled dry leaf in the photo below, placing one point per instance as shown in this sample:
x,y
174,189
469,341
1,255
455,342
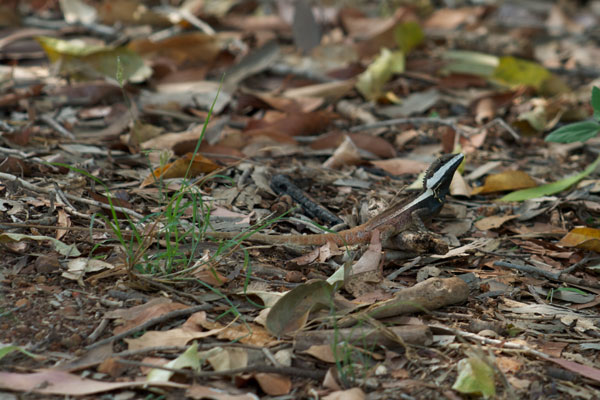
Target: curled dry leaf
x,y
346,154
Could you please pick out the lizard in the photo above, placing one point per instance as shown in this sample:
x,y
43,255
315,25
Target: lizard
x,y
399,218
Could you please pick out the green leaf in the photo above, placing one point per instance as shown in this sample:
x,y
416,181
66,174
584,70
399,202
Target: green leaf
x,y
189,359
290,313
408,35
470,62
370,83
475,376
596,102
550,188
7,349
82,60
577,132
515,71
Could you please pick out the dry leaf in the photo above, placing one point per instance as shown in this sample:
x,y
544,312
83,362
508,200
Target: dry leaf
x,y
582,238
505,181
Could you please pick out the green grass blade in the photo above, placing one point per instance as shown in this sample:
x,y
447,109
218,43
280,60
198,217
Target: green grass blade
x,y
550,188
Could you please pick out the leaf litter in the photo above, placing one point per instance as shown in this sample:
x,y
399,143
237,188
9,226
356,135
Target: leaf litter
x,y
130,132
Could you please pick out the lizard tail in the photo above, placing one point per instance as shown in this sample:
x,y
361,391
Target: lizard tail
x,y
295,240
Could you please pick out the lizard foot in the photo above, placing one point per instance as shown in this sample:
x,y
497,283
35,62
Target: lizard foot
x,y
418,242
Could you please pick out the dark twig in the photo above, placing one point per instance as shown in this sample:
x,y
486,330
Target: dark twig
x,y
559,276
152,322
281,184
39,189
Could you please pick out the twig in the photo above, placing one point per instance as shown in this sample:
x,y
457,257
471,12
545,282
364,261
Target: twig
x,y
27,156
503,124
414,121
576,265
177,293
56,126
39,189
559,276
496,342
71,209
98,331
149,323
402,270
291,371
271,357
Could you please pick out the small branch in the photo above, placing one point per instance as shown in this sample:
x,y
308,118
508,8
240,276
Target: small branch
x,y
39,189
56,126
152,322
558,276
503,124
26,156
98,331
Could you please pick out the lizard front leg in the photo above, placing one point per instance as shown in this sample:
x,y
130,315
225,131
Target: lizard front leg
x,y
416,238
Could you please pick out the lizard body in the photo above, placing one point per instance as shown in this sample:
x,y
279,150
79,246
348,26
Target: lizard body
x,y
391,222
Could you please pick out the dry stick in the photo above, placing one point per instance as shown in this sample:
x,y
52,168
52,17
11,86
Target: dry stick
x,y
504,125
98,331
39,189
559,276
292,371
415,121
56,126
27,156
71,208
496,342
167,289
149,323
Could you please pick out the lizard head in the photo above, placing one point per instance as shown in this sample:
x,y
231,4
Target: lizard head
x,y
440,173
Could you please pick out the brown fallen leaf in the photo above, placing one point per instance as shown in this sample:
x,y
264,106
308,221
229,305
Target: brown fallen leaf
x,y
346,154
199,392
48,381
297,123
174,337
350,394
401,166
274,384
493,222
583,370
138,315
176,49
373,144
452,18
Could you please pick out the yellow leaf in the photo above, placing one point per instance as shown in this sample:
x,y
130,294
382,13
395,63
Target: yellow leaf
x,y
180,168
509,180
370,82
582,238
